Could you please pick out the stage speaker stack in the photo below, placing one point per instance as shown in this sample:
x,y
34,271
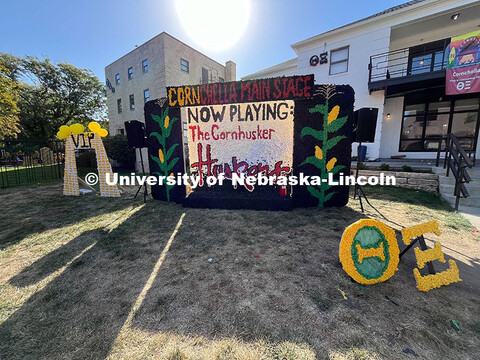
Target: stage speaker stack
x,y
364,125
135,133
136,138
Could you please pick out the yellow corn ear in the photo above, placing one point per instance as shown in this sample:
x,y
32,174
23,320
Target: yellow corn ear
x,y
160,155
318,152
333,114
167,122
331,164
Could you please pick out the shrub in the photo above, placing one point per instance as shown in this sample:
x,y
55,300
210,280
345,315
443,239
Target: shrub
x,y
361,166
384,167
406,168
117,149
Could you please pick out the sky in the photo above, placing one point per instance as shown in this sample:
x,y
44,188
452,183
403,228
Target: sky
x,y
93,33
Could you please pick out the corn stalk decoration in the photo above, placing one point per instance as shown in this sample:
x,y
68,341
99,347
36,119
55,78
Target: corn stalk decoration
x,y
164,154
320,159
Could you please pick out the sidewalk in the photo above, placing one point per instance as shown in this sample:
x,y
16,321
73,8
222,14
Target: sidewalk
x,y
471,214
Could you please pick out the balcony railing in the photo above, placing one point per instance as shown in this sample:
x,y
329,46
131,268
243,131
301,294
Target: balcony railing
x,y
404,63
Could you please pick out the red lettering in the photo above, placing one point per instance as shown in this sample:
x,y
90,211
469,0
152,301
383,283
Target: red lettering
x,y
233,93
278,92
255,91
306,89
244,86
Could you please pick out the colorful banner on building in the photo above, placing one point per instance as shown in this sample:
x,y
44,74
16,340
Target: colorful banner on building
x,y
463,68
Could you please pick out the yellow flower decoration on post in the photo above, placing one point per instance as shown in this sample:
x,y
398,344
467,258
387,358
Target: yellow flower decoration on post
x,y
318,152
331,164
167,122
94,127
63,132
77,129
333,114
160,155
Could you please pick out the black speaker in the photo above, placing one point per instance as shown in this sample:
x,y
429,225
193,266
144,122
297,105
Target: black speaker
x,y
364,125
135,133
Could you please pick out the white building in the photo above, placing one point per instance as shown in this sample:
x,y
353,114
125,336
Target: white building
x,y
144,73
395,60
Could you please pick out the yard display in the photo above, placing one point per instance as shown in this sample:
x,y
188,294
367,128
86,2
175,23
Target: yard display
x,y
272,127
77,138
369,254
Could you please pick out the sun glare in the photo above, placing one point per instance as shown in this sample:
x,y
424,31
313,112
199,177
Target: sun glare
x,y
214,24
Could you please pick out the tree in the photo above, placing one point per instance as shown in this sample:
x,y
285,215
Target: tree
x,y
8,105
52,95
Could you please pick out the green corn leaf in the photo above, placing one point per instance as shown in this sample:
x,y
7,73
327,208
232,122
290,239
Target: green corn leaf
x,y
335,125
157,160
336,169
158,119
317,134
312,160
172,164
314,192
170,152
318,108
159,137
169,129
332,142
329,196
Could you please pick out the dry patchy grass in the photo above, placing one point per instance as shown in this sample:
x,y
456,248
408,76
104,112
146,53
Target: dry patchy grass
x,y
73,270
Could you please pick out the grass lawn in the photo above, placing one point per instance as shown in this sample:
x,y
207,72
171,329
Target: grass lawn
x,y
88,277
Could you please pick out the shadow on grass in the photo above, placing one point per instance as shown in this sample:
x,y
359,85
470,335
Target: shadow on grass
x,y
80,312
33,210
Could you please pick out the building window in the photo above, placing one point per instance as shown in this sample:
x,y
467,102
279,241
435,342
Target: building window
x,y
119,106
146,95
428,57
220,79
117,79
204,76
130,73
185,65
132,102
145,65
339,61
425,123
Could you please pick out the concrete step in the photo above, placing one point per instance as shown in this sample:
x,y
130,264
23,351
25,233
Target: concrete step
x,y
443,180
472,201
473,172
448,189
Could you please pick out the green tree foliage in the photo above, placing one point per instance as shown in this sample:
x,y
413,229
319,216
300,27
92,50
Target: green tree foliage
x,y
52,95
8,104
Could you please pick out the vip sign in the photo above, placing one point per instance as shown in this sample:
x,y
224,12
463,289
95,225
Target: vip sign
x,y
77,139
258,136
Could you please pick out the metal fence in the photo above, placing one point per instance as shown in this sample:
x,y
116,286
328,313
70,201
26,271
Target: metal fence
x,y
24,162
